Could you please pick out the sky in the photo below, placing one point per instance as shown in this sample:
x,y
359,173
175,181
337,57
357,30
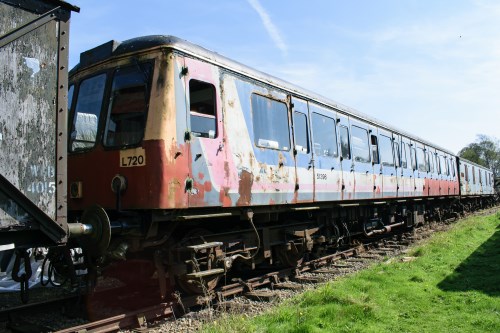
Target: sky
x,y
430,68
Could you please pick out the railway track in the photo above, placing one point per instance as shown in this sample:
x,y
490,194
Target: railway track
x,y
264,288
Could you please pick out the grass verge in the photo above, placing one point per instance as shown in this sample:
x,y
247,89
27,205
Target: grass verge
x,y
453,285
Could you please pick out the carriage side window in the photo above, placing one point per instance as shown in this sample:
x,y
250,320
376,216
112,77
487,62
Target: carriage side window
x,y
128,105
345,149
442,164
301,133
413,158
466,172
428,161
473,175
432,166
87,111
202,109
374,146
360,144
325,136
270,123
385,151
421,160
397,154
404,154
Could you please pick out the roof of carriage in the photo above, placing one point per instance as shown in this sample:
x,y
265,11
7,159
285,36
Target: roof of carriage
x,y
115,49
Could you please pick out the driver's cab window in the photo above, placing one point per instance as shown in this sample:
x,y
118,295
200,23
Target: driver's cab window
x,y
87,112
202,109
128,106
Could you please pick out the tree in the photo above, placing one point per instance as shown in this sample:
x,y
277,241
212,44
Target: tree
x,y
485,151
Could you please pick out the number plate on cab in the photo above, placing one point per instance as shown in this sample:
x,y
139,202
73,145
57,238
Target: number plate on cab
x,y
132,158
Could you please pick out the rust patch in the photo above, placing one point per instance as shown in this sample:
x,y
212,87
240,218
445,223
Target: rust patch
x,y
207,186
224,197
226,169
245,188
201,176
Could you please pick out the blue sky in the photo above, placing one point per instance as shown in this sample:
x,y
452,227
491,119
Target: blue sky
x,y
431,68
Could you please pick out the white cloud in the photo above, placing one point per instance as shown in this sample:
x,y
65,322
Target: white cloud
x,y
271,29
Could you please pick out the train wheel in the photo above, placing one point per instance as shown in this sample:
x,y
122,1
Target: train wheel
x,y
205,260
290,256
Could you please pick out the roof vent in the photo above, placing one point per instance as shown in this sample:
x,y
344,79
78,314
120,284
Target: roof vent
x,y
98,53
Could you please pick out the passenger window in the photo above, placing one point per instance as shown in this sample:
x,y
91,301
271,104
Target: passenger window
x,y
442,164
301,133
421,160
430,158
325,137
413,159
270,123
345,149
404,154
397,154
466,173
87,111
385,151
203,111
360,145
473,175
128,106
374,146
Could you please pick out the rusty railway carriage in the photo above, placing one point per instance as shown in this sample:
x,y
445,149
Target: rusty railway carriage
x,y
191,163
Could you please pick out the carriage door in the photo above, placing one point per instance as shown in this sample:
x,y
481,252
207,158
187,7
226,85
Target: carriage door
x,y
327,171
346,162
407,181
304,164
387,166
204,135
361,165
397,161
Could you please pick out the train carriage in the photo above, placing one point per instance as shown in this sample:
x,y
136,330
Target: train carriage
x,y
180,150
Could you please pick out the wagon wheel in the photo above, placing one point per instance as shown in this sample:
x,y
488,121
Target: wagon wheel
x,y
200,285
292,257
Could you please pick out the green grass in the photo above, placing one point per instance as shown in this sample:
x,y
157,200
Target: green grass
x,y
452,286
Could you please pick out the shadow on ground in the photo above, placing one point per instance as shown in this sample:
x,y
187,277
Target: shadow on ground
x,y
480,271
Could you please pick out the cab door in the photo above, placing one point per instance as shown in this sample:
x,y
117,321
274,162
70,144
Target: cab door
x,y
204,133
304,163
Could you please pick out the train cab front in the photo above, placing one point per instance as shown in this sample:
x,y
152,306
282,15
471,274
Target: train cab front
x,y
127,158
